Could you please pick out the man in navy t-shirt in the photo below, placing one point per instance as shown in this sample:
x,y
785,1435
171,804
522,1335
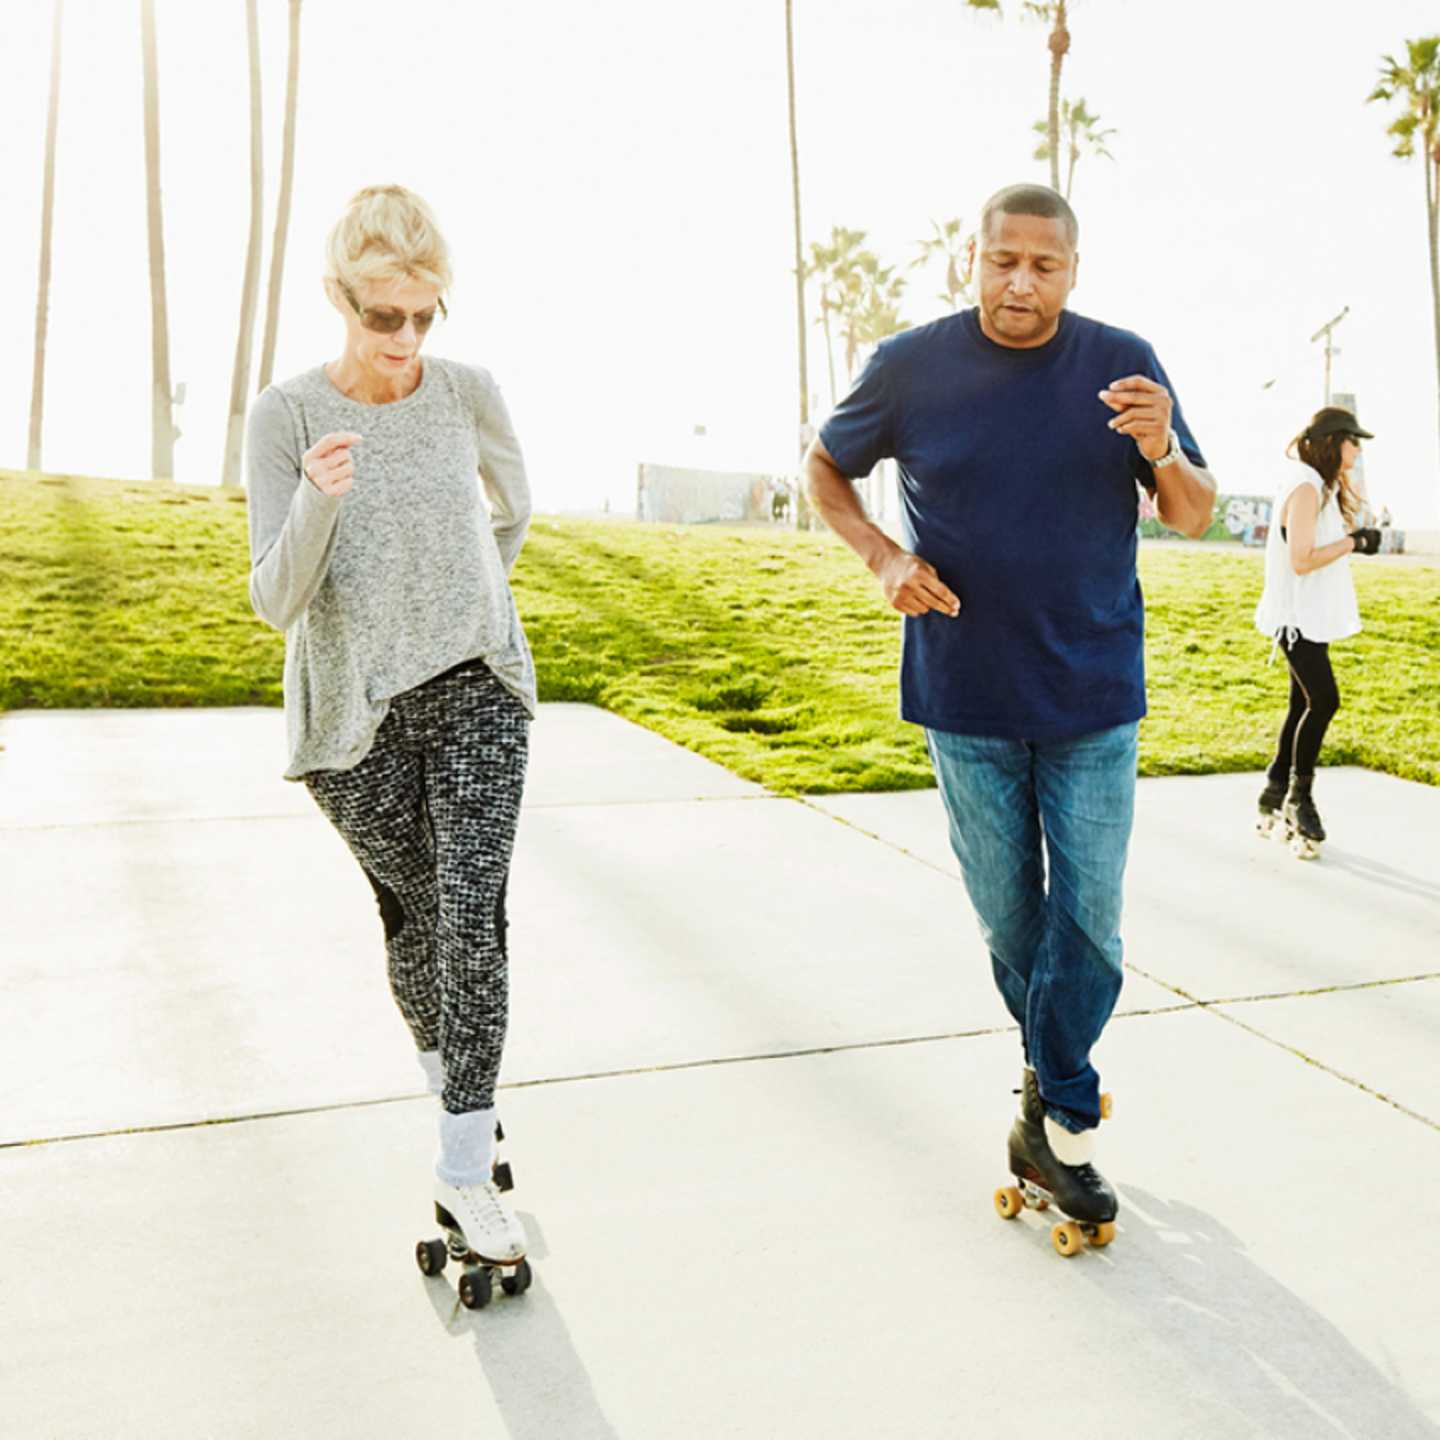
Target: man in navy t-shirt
x,y
1021,431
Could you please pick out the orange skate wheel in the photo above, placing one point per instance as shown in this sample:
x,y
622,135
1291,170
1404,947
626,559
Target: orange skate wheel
x,y
1103,1233
1009,1202
1107,1105
1067,1238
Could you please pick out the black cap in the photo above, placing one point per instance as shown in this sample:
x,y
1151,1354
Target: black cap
x,y
1333,420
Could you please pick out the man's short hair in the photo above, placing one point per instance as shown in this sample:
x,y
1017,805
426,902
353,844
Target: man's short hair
x,y
1031,200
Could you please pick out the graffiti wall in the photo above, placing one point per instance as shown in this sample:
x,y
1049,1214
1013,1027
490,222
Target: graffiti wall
x,y
1242,518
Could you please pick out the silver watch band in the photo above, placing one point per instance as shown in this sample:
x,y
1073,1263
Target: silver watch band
x,y
1170,456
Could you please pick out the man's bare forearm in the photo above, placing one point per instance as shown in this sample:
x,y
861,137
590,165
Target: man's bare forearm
x,y
1185,497
833,495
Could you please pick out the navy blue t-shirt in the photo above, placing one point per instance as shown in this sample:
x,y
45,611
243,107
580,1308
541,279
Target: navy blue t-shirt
x,y
1015,490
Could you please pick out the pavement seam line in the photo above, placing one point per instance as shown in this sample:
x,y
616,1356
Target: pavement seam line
x,y
1194,1001
1129,965
1211,1007
1322,989
626,1073
22,827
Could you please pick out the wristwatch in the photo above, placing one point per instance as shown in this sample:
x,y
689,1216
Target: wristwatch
x,y
1170,456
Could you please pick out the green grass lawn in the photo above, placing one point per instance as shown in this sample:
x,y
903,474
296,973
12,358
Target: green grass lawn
x,y
769,651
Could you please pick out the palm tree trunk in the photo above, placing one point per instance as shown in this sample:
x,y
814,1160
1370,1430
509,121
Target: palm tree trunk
x,y
803,433
829,346
282,212
1432,218
1070,177
47,220
240,379
162,422
1059,47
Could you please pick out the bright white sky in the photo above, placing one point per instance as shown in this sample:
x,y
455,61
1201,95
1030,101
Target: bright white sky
x,y
615,182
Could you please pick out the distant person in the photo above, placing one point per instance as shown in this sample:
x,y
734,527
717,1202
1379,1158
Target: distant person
x,y
409,687
1385,521
780,502
1021,430
1308,601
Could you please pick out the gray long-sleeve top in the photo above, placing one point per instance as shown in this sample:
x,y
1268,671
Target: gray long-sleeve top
x,y
403,577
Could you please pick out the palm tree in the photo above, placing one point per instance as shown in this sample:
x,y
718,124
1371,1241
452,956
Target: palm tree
x,y
240,377
47,218
959,260
1054,13
1081,134
162,423
1416,84
869,305
831,264
282,211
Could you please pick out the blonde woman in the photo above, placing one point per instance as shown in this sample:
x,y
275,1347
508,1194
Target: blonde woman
x,y
409,687
1309,601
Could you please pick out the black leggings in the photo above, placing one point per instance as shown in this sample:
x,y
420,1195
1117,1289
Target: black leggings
x,y
430,813
1314,699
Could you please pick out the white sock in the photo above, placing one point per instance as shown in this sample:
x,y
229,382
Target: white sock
x,y
1068,1147
434,1070
467,1147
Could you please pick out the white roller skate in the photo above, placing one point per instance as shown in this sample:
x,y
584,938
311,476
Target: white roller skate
x,y
480,1230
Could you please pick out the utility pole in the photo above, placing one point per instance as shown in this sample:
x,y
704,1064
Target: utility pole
x,y
1330,350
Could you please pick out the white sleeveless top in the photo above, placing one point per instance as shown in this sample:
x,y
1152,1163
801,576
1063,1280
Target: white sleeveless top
x,y
1319,606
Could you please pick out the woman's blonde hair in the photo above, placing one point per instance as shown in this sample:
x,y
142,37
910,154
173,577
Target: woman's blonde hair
x,y
387,233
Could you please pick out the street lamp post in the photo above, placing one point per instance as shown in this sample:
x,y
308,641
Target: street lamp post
x,y
1330,350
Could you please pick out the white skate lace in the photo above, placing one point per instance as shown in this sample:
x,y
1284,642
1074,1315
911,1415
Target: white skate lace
x,y
483,1203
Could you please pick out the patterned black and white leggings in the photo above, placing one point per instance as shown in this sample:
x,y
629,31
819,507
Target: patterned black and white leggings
x,y
431,813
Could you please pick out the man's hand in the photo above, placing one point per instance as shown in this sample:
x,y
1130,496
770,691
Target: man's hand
x,y
913,587
1144,410
327,463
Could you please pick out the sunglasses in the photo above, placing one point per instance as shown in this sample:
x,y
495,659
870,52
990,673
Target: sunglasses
x,y
387,322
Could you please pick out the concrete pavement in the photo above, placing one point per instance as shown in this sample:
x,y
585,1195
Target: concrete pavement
x,y
756,1088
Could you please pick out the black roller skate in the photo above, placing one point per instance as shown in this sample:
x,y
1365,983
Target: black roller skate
x,y
1272,799
1303,830
1080,1191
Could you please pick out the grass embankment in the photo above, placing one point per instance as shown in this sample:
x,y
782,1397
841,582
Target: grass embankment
x,y
768,651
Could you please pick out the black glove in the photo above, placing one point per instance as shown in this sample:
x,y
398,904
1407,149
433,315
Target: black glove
x,y
1367,542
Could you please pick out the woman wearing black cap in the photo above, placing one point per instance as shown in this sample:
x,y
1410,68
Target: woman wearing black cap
x,y
1309,600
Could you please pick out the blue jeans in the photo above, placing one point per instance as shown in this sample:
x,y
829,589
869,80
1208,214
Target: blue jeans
x,y
1017,809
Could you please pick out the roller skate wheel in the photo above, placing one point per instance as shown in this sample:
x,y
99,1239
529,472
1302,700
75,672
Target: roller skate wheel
x,y
430,1256
1103,1233
1303,849
502,1176
1107,1105
519,1282
1067,1238
1264,825
1009,1202
475,1289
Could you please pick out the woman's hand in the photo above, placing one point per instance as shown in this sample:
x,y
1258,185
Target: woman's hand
x,y
327,463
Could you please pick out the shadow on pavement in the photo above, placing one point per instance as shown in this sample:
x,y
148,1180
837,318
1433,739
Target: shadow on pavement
x,y
540,1385
1254,1345
1378,874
